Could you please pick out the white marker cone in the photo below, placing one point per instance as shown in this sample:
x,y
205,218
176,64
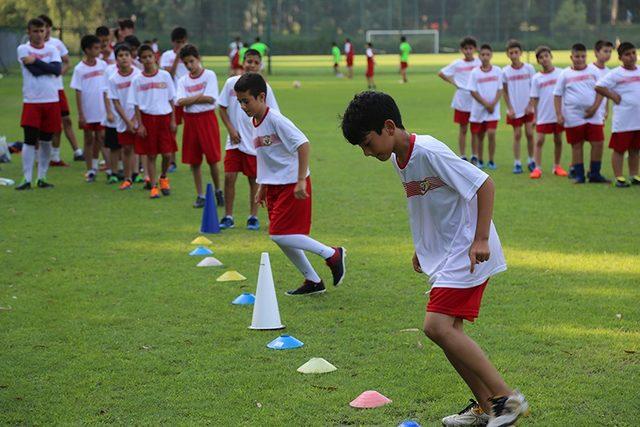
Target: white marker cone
x,y
266,314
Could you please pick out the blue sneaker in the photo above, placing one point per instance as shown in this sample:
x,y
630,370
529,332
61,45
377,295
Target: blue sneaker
x,y
492,166
517,169
227,222
172,167
253,223
531,166
474,160
480,164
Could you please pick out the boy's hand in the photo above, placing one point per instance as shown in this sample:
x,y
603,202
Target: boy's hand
x,y
172,126
300,190
81,120
234,136
560,119
489,107
142,131
529,109
110,117
28,60
260,196
131,127
616,98
416,263
510,113
589,112
479,252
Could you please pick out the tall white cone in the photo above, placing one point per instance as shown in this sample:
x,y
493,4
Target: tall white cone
x,y
266,314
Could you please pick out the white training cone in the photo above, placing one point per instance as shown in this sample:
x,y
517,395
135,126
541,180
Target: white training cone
x,y
266,314
316,365
210,262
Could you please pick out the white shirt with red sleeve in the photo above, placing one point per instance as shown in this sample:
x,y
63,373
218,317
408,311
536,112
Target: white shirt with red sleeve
x,y
487,84
152,93
542,86
443,212
62,49
205,84
239,118
41,89
166,62
626,83
460,69
518,81
120,86
577,89
600,73
277,141
91,81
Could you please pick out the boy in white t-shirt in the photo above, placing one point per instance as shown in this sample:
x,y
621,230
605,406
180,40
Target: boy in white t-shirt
x,y
107,53
371,64
622,86
285,185
457,73
602,51
456,244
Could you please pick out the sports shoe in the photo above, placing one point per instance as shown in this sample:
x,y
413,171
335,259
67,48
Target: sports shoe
x,y
164,186
491,165
474,160
79,157
635,180
147,184
308,288
621,182
517,168
531,165
536,174
58,163
464,158
172,167
227,222
112,179
199,203
154,194
90,176
138,178
472,415
480,164
579,180
24,185
507,409
558,171
219,198
42,183
337,265
598,179
572,173
126,185
253,223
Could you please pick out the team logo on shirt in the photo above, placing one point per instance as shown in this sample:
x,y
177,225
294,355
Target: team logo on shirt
x,y
266,140
420,188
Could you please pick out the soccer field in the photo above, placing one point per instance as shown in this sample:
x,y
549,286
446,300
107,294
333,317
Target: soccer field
x,y
104,318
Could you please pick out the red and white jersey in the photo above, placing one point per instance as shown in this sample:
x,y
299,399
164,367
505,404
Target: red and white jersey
x,y
460,70
120,86
626,83
91,81
518,81
166,62
600,73
277,141
370,60
205,84
443,212
487,84
62,49
38,90
542,85
577,89
348,49
234,49
239,118
108,72
152,93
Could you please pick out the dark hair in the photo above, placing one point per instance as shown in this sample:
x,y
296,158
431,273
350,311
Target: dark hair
x,y
252,82
143,48
602,43
147,41
369,44
257,39
123,47
514,44
367,112
347,39
47,21
486,46
132,41
403,39
35,22
126,23
252,52
189,50
88,40
178,33
468,41
578,47
102,31
542,49
625,47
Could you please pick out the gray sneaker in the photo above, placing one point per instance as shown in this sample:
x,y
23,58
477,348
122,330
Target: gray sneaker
x,y
472,415
507,409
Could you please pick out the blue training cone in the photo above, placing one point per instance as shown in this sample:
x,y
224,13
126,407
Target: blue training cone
x,y
409,423
244,298
210,223
285,342
201,251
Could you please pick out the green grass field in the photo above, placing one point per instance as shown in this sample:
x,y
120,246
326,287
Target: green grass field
x,y
106,319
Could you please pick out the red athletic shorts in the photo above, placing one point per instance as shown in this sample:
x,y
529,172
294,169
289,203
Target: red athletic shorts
x,y
547,128
461,117
527,118
92,126
159,139
238,161
404,65
201,135
45,116
127,138
369,72
349,60
623,141
484,126
64,104
586,132
179,114
288,215
462,303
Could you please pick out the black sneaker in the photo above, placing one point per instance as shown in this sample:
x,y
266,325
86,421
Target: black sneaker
x,y
621,182
531,166
25,185
42,183
337,264
308,288
78,157
598,179
219,198
227,222
635,180
199,203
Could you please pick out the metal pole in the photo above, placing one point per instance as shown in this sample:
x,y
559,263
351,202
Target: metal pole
x,y
416,21
269,36
389,14
497,13
526,35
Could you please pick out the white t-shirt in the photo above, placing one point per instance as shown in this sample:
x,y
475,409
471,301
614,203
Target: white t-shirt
x,y
119,88
542,86
577,89
487,84
460,70
518,81
234,47
600,73
38,90
626,83
108,73
110,58
62,49
166,62
152,93
205,84
443,212
91,81
239,118
369,53
347,48
154,47
277,140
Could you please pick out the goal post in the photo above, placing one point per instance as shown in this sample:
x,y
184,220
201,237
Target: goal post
x,y
434,34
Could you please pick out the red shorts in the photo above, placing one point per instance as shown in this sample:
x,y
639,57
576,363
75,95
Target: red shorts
x,y
179,114
461,117
238,161
624,141
201,135
547,128
288,215
484,126
462,303
369,72
404,65
586,132
92,126
349,60
159,139
45,117
127,138
64,104
235,62
527,118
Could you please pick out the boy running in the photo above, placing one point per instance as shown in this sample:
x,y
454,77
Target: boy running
x,y
405,50
456,244
371,63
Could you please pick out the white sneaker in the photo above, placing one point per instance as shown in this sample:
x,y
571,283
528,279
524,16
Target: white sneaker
x,y
472,415
506,410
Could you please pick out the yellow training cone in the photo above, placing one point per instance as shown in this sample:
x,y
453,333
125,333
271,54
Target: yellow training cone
x,y
231,276
201,240
316,365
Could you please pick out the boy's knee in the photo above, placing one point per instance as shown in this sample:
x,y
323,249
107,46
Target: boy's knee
x,y
434,331
276,238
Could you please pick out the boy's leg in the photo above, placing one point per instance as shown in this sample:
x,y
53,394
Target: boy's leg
x,y
215,175
597,148
114,159
151,168
55,148
617,161
491,136
98,146
537,152
305,243
129,161
634,160
480,145
462,140
557,149
528,129
517,137
253,189
301,262
230,179
166,162
88,149
197,179
577,161
67,126
28,154
44,155
474,146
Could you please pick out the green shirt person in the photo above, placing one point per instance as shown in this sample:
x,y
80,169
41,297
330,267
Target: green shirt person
x,y
260,47
335,51
405,50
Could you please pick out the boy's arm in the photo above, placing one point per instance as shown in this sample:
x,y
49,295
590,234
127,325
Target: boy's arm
x,y
478,98
233,133
448,79
557,105
533,104
505,90
479,251
81,120
196,99
594,108
608,93
172,123
107,107
300,190
41,68
66,64
142,131
123,115
497,98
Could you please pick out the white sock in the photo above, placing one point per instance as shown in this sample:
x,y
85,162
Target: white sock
x,y
78,152
55,154
108,171
299,259
28,157
120,165
306,243
44,157
94,164
517,163
529,159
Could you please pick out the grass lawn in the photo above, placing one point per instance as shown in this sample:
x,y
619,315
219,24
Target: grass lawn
x,y
105,318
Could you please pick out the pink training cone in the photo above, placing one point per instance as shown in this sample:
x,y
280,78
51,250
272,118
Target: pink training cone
x,y
369,399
